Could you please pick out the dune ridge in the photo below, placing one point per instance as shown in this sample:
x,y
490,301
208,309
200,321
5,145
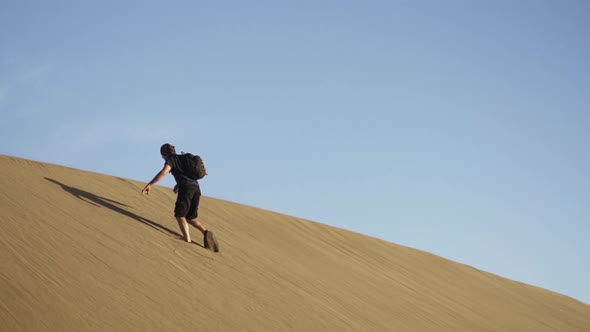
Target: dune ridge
x,y
82,251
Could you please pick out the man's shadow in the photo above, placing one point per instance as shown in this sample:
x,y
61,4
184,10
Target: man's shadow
x,y
113,205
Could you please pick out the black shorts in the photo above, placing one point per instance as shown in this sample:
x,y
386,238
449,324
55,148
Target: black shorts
x,y
187,203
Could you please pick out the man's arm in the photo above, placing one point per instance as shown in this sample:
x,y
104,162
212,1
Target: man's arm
x,y
156,179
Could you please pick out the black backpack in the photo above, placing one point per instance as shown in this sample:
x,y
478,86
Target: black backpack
x,y
192,166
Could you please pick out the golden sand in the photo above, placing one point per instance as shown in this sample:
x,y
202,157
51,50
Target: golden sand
x,y
82,251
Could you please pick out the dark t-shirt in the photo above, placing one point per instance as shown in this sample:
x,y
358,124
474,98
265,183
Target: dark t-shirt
x,y
182,180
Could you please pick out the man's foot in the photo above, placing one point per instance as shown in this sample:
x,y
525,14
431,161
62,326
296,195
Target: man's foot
x,y
210,241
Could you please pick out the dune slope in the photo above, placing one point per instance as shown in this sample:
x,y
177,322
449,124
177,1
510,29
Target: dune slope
x,y
82,251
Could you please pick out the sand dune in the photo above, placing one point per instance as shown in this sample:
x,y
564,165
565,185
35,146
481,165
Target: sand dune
x,y
82,251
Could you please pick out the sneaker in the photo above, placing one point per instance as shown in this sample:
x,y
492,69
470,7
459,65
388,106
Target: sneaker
x,y
210,241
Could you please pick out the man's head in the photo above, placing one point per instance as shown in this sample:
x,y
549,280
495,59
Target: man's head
x,y
167,150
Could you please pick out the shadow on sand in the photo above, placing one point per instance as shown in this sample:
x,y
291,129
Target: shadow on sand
x,y
113,205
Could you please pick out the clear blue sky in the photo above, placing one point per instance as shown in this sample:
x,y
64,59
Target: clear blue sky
x,y
457,127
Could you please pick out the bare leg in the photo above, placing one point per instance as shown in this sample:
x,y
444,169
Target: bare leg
x,y
209,241
184,228
197,224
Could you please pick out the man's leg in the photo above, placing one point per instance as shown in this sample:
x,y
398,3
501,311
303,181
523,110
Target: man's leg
x,y
197,224
209,241
184,228
180,210
193,211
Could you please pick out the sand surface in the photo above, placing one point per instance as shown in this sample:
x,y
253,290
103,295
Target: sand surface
x,y
82,251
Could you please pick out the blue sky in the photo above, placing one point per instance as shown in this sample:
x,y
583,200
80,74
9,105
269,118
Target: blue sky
x,y
456,127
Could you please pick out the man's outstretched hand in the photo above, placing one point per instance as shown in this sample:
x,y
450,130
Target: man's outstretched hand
x,y
161,174
146,189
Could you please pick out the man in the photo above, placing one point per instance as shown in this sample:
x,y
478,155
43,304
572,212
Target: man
x,y
187,201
